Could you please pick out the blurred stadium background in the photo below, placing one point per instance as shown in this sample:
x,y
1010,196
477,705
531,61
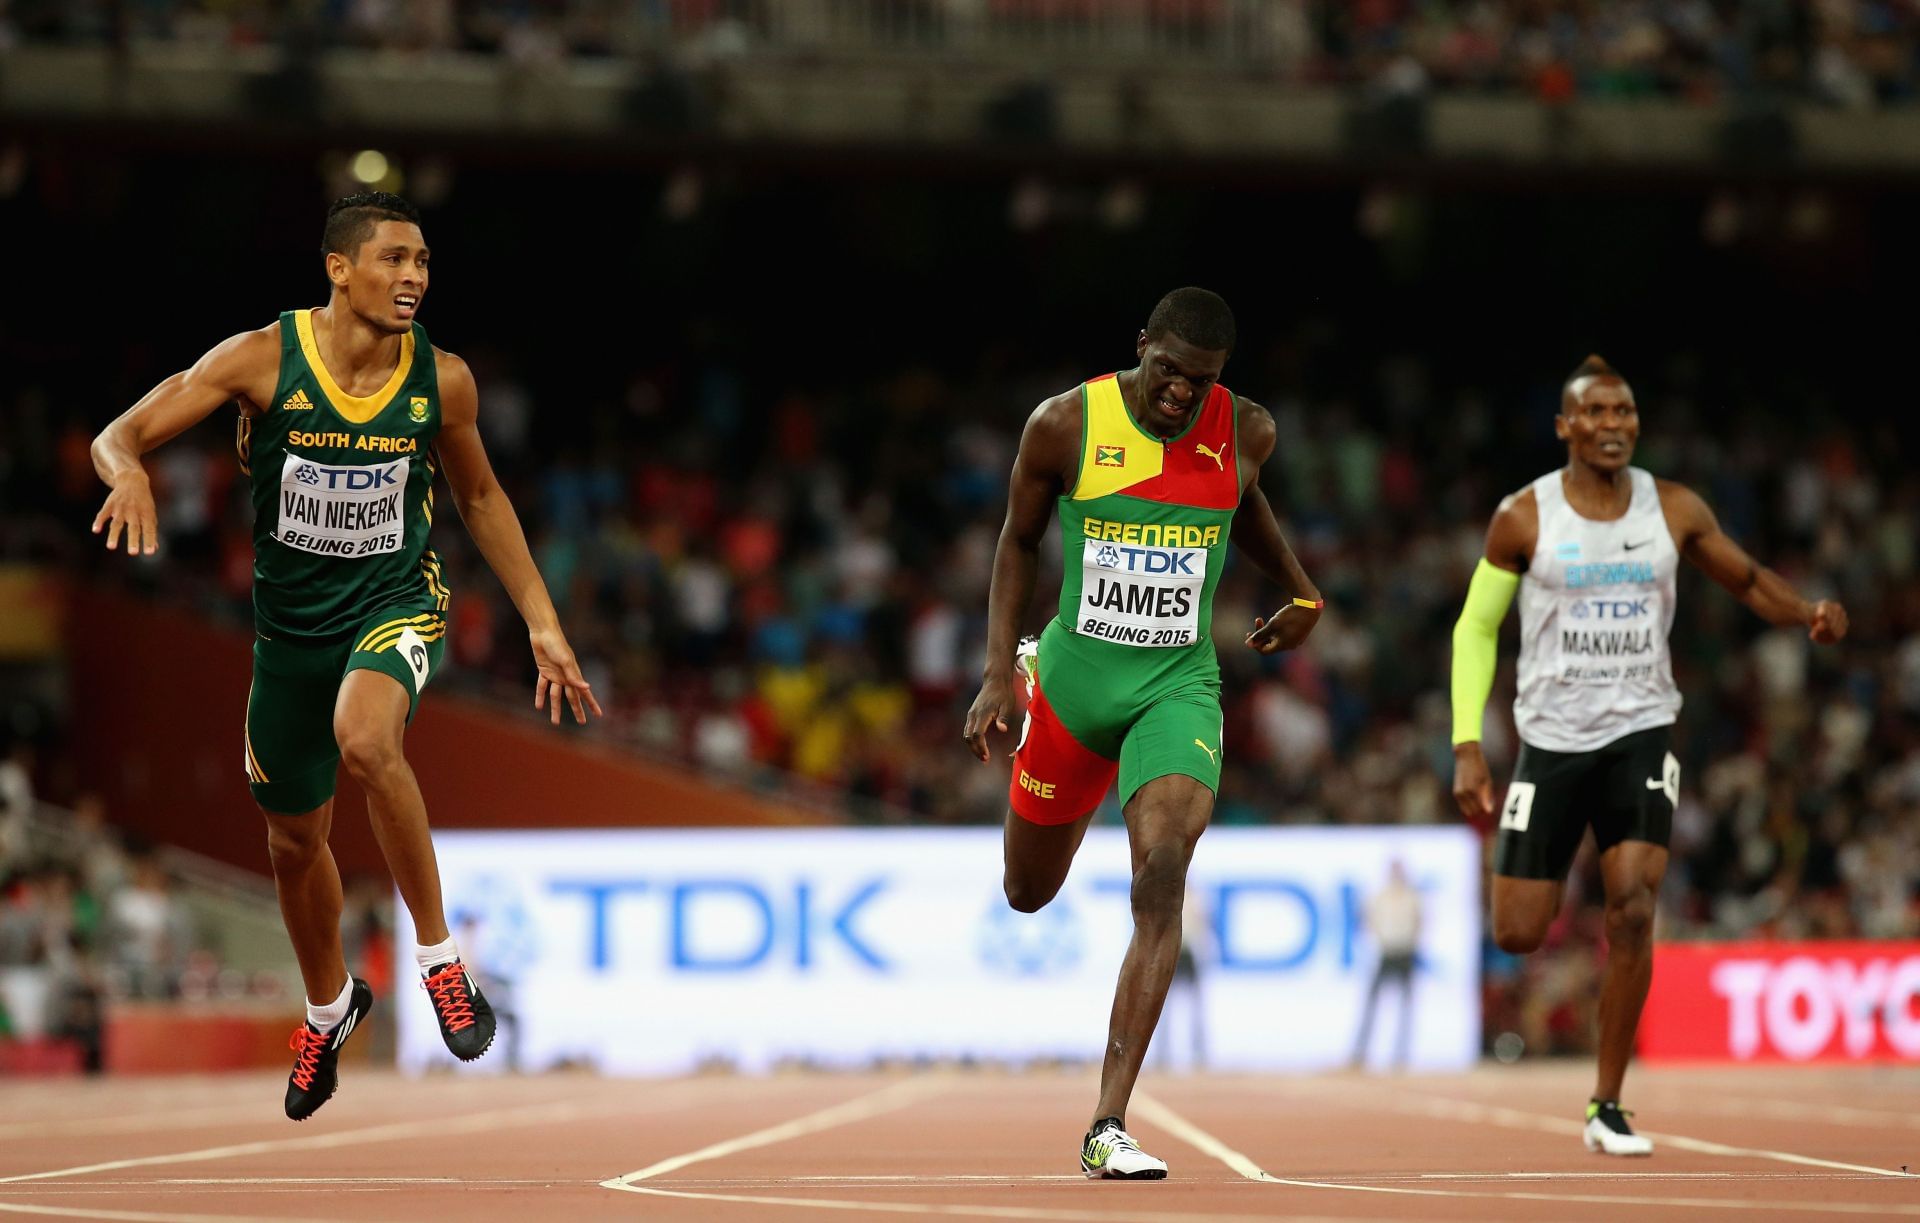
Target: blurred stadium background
x,y
758,294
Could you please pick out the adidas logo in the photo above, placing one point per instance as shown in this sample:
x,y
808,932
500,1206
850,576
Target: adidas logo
x,y
297,402
346,1025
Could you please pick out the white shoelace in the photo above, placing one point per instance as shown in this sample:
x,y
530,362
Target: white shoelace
x,y
1117,1138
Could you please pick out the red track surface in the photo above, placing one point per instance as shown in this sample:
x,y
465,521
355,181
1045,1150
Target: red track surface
x,y
1495,1144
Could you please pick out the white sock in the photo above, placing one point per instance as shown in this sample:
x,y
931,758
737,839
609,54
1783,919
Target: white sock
x,y
430,958
327,1018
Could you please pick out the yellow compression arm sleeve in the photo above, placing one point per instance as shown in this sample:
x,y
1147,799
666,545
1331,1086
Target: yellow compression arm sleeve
x,y
1476,646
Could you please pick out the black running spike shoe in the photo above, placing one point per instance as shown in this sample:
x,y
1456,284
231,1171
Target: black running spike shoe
x,y
316,1056
1608,1132
466,1020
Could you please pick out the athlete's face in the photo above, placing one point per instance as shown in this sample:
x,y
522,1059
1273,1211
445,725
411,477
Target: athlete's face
x,y
1598,422
1175,378
387,279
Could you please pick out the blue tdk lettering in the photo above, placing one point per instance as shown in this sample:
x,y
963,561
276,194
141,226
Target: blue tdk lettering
x,y
1157,560
358,479
760,924
1246,913
1619,609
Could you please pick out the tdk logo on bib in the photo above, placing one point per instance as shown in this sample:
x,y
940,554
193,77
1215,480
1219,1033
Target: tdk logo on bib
x,y
1611,609
350,479
1176,561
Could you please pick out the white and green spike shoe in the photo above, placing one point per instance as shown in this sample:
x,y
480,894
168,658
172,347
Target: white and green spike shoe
x,y
1110,1153
1608,1132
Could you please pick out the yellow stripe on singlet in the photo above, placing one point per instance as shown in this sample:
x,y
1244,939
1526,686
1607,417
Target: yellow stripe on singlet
x,y
436,584
1115,453
359,409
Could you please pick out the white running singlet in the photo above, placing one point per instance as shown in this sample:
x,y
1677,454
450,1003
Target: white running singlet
x,y
1596,606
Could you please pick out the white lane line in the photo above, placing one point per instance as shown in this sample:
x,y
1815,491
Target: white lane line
x,y
1785,1110
472,1123
1449,1108
585,1108
1798,1178
289,1182
1105,1216
469,1182
1186,1131
1786,1157
144,1216
240,1112
780,1182
955,1211
873,1104
1192,1134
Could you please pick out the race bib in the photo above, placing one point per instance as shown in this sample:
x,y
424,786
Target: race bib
x,y
1616,638
357,510
1141,596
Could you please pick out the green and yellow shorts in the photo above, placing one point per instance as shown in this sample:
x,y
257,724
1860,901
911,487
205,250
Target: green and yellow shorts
x,y
1094,715
292,757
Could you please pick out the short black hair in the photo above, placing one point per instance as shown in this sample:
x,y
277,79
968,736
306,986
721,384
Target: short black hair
x,y
1198,316
351,220
1595,366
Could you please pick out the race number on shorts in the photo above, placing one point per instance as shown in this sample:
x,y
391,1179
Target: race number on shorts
x,y
413,652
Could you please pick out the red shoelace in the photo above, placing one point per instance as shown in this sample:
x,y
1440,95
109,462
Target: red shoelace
x,y
449,989
307,1045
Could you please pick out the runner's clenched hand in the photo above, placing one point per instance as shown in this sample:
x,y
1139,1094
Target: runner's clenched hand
x,y
990,710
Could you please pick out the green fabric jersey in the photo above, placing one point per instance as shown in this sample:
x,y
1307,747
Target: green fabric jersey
x,y
342,492
1145,529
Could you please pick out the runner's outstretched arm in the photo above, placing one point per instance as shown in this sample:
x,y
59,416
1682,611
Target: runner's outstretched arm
x,y
495,528
241,367
1771,596
1047,444
1256,532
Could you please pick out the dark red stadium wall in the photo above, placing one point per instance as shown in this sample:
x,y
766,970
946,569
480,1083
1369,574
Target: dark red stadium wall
x,y
158,698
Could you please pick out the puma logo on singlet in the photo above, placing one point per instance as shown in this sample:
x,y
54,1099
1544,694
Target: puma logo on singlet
x,y
1219,460
1211,754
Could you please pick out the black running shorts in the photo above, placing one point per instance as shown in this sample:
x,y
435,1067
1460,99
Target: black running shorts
x,y
1625,790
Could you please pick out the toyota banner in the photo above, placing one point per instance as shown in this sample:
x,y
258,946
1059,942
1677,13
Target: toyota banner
x,y
1784,1002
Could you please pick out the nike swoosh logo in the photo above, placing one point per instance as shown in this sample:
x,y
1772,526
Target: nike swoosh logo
x,y
1630,547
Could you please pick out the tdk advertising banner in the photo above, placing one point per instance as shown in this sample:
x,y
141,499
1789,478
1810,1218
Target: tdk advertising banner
x,y
659,951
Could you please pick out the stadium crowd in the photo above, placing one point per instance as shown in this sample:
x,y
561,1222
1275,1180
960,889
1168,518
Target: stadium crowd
x,y
83,916
808,616
1847,53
